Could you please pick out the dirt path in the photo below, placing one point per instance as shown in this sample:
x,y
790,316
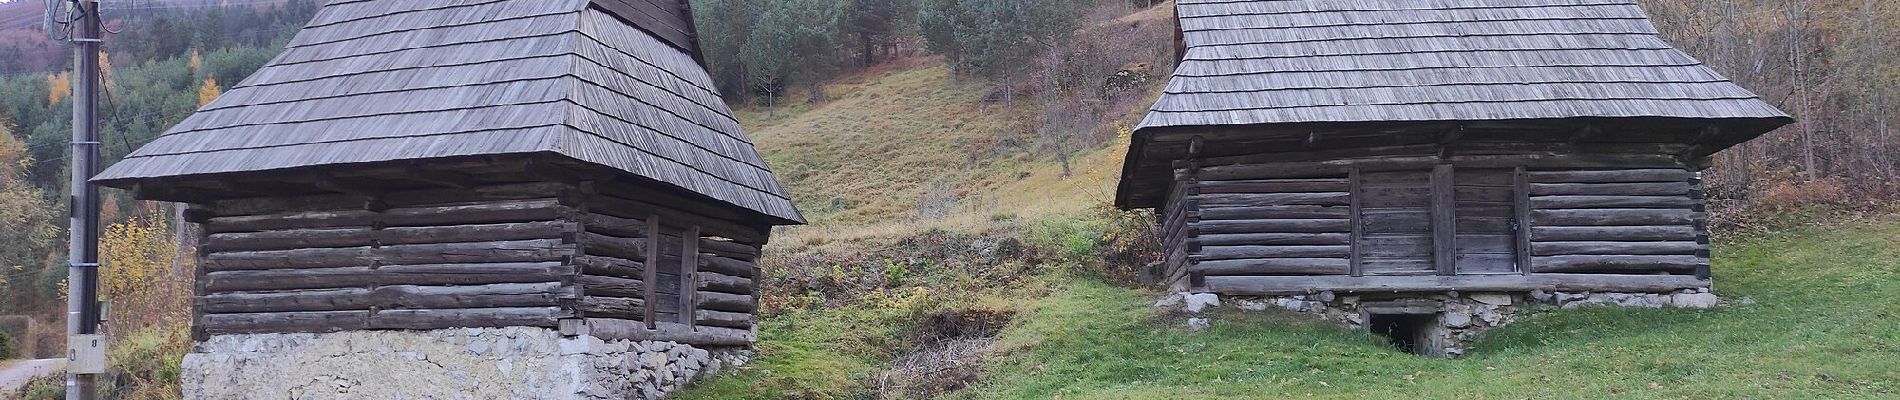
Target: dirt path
x,y
14,374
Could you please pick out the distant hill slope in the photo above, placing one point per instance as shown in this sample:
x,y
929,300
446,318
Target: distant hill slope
x,y
907,144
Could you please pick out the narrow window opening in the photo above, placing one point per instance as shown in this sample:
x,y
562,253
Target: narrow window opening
x,y
1412,333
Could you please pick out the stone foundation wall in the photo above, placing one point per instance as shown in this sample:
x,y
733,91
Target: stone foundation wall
x,y
485,363
1456,318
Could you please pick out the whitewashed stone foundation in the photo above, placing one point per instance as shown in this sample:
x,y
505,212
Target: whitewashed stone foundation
x,y
1454,318
484,363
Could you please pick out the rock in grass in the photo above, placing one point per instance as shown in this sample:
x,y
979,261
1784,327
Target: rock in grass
x,y
1202,301
1199,324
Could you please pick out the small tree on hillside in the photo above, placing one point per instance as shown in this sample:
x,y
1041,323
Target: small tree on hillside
x,y
724,26
790,43
873,23
939,21
996,38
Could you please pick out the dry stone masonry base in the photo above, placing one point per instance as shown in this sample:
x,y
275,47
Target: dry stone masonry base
x,y
473,363
1436,324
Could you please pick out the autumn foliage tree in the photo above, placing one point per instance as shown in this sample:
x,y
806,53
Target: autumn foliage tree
x,y
208,91
138,275
28,230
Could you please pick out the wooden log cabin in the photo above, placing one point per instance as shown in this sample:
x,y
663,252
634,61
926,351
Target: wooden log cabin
x,y
1306,146
415,165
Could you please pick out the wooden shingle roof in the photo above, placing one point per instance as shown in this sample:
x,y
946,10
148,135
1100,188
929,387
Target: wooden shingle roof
x,y
1308,61
608,82
1260,71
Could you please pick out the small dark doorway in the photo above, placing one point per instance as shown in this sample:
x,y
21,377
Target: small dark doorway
x,y
1413,333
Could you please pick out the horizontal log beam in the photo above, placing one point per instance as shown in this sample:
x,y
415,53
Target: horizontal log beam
x,y
1611,189
607,286
1274,199
594,244
609,266
289,322
1685,248
728,266
1611,176
618,329
1274,226
1612,233
347,277
547,317
363,236
1245,252
1276,212
1616,263
1589,202
1278,266
612,307
1296,285
724,319
726,302
1265,239
612,225
441,253
1623,217
733,250
407,198
485,213
1275,186
716,282
388,297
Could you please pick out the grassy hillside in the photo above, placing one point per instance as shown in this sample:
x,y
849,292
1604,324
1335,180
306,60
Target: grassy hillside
x,y
1812,317
906,147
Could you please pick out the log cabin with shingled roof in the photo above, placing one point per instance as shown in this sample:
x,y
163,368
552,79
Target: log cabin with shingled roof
x,y
431,164
1336,147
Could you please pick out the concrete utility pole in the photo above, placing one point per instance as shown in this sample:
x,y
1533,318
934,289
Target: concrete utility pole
x,y
85,347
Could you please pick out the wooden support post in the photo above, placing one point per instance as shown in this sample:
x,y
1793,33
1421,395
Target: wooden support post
x,y
1190,195
1358,262
1521,219
1444,220
652,275
689,278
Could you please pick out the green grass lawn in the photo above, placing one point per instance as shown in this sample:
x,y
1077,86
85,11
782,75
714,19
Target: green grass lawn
x,y
1814,315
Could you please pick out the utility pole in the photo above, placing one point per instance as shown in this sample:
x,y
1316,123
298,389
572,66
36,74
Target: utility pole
x,y
85,347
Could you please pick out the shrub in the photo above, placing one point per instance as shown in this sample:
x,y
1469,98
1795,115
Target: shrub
x,y
14,331
6,346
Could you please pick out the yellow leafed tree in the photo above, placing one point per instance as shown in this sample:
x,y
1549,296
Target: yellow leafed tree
x,y
195,62
58,87
105,72
27,228
137,275
208,92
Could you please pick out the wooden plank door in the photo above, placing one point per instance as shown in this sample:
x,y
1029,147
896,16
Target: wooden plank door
x,y
1484,212
1395,224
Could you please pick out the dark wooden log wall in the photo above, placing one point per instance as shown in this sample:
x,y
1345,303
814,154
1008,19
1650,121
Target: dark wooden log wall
x,y
1617,221
1486,214
1177,237
698,289
1281,222
485,257
521,254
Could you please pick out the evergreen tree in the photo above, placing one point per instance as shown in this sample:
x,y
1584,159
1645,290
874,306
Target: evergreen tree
x,y
873,23
791,43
